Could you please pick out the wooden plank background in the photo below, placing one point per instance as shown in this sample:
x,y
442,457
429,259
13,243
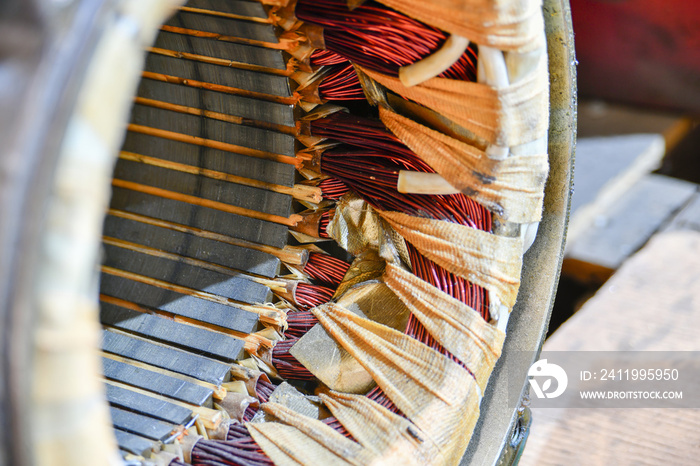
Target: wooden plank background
x,y
652,303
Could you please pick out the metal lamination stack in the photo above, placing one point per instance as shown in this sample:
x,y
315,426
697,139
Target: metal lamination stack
x,y
189,241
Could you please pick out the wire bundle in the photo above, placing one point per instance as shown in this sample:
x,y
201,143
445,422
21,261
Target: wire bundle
x,y
263,390
333,189
380,38
329,272
367,158
326,269
341,83
368,161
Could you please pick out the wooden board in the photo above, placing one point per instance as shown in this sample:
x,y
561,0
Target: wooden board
x,y
627,225
652,303
606,168
688,218
605,161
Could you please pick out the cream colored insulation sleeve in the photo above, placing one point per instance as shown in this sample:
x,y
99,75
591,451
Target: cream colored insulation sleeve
x,y
388,435
512,188
299,439
504,24
432,391
382,437
485,259
457,327
508,116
